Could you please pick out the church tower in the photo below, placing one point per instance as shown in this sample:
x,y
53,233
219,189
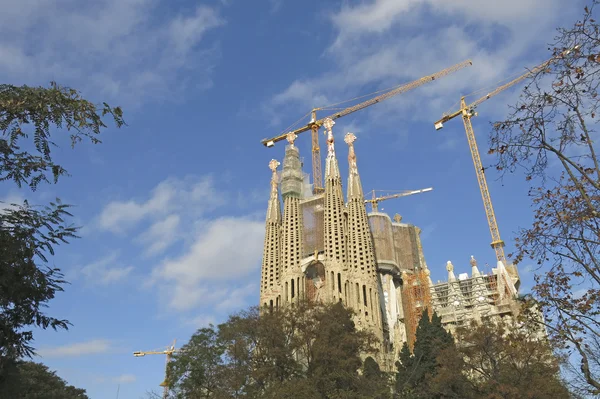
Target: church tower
x,y
271,264
361,253
330,256
335,232
327,248
291,191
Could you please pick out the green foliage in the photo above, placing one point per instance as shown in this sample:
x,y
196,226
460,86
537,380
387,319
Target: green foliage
x,y
551,135
27,236
506,360
42,109
488,360
416,369
29,380
197,370
375,383
309,351
336,352
29,116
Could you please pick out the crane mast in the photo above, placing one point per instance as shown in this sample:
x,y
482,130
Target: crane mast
x,y
467,112
497,243
169,353
315,123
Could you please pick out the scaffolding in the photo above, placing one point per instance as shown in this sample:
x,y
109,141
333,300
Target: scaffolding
x,y
498,284
313,239
416,297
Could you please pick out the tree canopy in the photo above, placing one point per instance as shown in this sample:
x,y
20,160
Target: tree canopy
x,y
32,120
499,360
415,370
311,351
551,135
30,116
29,380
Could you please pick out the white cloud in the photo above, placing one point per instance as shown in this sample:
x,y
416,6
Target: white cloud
x,y
225,250
379,16
166,215
161,234
201,321
10,199
187,32
382,43
376,16
130,49
125,379
168,196
107,270
236,298
92,347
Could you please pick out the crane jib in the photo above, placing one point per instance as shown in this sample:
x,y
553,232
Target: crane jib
x,y
393,92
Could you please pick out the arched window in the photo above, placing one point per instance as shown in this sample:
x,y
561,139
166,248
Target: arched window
x,y
293,289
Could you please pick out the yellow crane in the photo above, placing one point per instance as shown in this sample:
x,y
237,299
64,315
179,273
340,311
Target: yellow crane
x,y
314,124
374,201
169,353
467,112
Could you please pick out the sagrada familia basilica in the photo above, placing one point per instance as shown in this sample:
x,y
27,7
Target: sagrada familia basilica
x,y
327,247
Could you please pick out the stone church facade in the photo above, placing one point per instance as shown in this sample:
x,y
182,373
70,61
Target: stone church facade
x,y
325,247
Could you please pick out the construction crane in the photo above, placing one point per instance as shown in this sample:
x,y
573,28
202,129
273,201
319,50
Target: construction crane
x,y
315,123
467,112
374,201
169,353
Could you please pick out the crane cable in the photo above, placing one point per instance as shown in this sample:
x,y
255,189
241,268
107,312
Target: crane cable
x,y
486,88
330,107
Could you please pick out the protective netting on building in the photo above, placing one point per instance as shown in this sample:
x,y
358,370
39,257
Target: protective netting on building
x,y
313,239
417,298
406,247
292,176
383,238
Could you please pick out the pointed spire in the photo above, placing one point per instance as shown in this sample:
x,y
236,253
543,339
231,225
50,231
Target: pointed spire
x,y
474,269
450,268
291,177
331,165
273,210
419,247
505,283
271,261
354,185
328,124
349,139
291,137
273,166
428,274
335,223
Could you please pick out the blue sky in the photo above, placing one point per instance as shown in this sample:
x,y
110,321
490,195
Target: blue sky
x,y
173,204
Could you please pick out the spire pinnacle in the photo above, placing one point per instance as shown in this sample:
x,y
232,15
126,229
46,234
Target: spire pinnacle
x,y
291,137
328,124
273,166
349,139
397,218
428,274
450,268
474,269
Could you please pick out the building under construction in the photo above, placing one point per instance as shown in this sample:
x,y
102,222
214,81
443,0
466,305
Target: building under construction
x,y
477,296
327,248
